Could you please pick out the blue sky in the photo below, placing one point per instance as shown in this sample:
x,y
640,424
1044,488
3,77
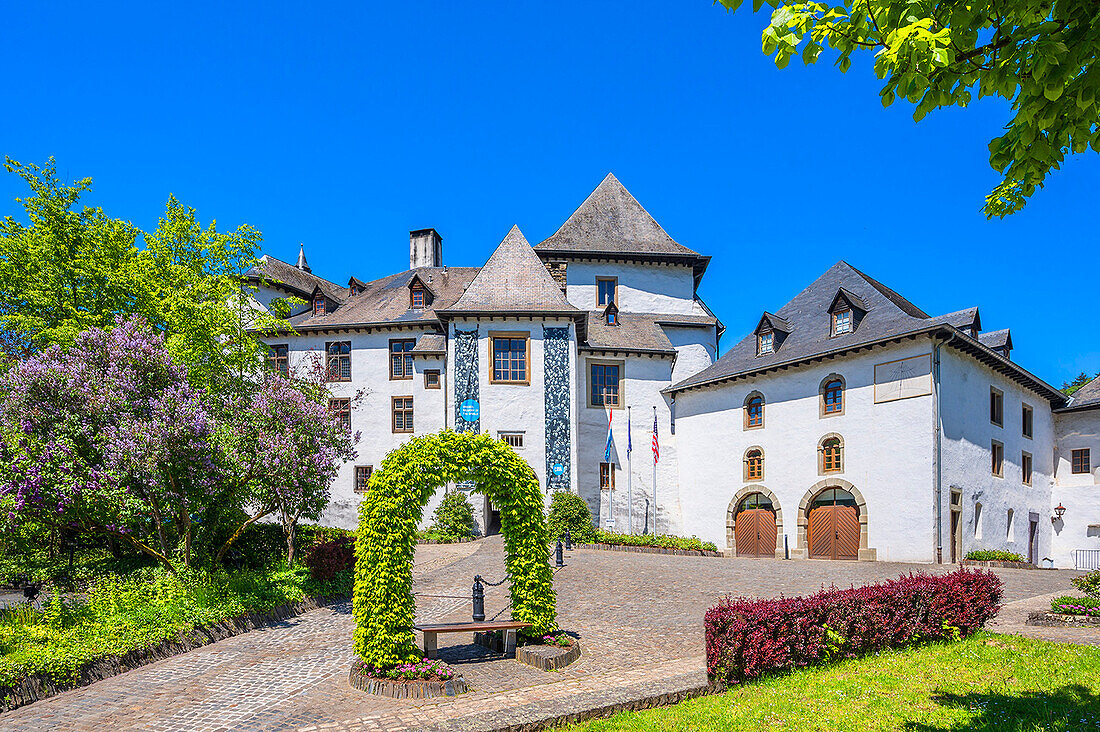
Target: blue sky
x,y
345,126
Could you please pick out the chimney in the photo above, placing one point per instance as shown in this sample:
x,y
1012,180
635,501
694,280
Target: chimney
x,y
425,248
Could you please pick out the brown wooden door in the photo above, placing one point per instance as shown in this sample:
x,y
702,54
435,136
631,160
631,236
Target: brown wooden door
x,y
834,532
755,532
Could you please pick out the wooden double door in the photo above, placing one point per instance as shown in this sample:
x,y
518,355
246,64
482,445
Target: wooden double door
x,y
834,532
755,532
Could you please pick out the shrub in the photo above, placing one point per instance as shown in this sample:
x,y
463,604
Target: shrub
x,y
993,555
1076,605
661,540
570,511
325,559
748,638
1089,583
453,518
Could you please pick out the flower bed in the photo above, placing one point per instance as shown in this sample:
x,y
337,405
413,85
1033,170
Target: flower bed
x,y
747,638
423,679
1076,605
662,541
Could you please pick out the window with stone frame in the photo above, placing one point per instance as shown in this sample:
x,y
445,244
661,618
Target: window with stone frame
x,y
606,290
1025,468
832,455
401,362
997,457
362,477
754,464
605,381
431,379
996,406
402,407
1027,421
832,396
338,361
342,409
1081,461
278,359
607,476
511,357
754,411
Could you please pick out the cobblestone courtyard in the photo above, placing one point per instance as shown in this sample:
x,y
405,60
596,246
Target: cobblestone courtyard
x,y
639,616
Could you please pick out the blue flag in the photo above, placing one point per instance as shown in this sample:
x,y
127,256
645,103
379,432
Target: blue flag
x,y
629,442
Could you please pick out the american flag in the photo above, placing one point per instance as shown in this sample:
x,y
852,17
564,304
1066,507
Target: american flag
x,y
656,444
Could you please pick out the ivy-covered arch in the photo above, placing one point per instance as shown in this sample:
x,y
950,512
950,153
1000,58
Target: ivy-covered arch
x,y
388,518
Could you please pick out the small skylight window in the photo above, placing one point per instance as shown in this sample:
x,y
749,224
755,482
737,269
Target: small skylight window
x,y
765,343
842,322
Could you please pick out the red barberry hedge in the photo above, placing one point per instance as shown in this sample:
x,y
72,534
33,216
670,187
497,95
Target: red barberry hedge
x,y
748,638
326,558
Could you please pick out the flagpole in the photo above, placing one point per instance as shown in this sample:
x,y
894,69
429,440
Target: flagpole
x,y
655,474
611,487
629,473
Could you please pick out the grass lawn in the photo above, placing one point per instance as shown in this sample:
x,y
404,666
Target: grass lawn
x,y
987,682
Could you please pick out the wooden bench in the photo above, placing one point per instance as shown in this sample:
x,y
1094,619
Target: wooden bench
x,y
431,631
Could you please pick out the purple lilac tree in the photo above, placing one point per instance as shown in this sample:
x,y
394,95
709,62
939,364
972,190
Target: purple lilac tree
x,y
106,437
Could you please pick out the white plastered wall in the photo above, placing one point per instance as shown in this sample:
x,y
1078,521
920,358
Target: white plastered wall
x,y
642,288
1079,527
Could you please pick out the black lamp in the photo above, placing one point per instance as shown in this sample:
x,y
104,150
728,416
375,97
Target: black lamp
x,y
1058,511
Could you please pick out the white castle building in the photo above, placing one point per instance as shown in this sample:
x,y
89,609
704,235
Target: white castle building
x,y
849,425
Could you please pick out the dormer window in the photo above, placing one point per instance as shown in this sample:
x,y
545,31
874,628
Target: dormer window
x,y
416,298
319,304
765,343
611,314
842,321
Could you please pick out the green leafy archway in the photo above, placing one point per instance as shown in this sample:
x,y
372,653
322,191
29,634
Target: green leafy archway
x,y
388,518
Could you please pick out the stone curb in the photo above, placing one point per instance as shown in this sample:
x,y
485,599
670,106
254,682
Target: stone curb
x,y
37,687
1062,620
406,689
608,710
650,550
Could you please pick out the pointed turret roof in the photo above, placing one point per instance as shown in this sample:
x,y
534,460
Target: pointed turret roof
x,y
611,221
514,280
302,265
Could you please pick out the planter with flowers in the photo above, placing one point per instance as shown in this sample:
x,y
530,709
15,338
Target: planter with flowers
x,y
418,680
1069,611
548,652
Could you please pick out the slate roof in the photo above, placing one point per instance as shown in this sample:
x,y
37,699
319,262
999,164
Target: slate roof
x,y
639,332
996,339
300,282
430,343
386,300
1087,397
612,223
888,315
513,281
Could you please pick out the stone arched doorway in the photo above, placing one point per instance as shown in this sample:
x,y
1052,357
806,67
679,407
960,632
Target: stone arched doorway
x,y
769,499
805,506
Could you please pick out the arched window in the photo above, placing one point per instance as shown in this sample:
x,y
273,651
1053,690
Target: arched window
x,y
755,500
833,497
831,455
754,410
832,396
754,464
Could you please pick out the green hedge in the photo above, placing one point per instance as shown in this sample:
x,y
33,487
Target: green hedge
x,y
661,540
993,555
453,518
1088,583
570,511
122,614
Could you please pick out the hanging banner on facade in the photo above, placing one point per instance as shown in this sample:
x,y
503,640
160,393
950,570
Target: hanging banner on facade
x,y
470,410
903,379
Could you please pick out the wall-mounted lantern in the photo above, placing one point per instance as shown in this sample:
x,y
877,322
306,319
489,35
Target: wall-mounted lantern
x,y
1058,511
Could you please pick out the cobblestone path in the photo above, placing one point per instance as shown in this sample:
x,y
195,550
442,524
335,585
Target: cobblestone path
x,y
639,617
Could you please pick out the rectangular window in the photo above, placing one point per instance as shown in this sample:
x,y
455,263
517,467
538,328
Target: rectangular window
x,y
1027,421
604,388
431,379
514,439
319,304
842,322
765,343
278,359
997,452
1025,468
402,414
996,407
401,363
1081,461
362,477
338,361
510,354
342,409
605,290
417,298
607,476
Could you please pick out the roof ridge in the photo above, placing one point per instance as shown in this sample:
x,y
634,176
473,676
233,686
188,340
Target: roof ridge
x,y
893,296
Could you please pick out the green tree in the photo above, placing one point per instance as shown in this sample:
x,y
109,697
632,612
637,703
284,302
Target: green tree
x,y
1037,54
1068,387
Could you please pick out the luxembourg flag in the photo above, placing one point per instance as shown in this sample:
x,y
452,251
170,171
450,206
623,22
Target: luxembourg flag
x,y
607,449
